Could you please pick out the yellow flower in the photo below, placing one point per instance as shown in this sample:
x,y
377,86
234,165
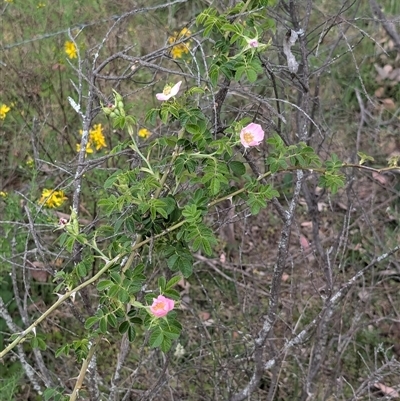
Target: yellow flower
x,y
179,50
41,5
96,137
4,109
88,148
70,49
185,32
144,133
3,194
51,198
182,48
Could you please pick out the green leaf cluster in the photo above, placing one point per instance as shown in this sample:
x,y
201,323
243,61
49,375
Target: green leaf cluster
x,y
258,196
234,58
282,157
39,341
332,179
79,347
117,291
179,258
167,330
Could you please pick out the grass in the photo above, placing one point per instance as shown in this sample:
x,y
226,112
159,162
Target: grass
x,y
9,385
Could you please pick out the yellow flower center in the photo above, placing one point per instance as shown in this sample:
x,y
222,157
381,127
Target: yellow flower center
x,y
167,90
159,306
248,137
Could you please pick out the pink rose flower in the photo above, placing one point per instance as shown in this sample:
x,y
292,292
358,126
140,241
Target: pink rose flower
x,y
169,91
161,306
251,135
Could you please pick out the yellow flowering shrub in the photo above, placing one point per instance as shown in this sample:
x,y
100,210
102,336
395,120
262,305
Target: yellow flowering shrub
x,y
51,198
182,48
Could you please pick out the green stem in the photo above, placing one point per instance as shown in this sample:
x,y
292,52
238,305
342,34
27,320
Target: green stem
x,y
237,192
82,373
60,301
136,149
175,154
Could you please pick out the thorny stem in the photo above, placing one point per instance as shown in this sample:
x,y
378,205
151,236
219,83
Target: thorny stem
x,y
60,301
82,373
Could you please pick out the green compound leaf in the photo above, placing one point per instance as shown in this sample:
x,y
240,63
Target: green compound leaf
x,y
202,238
332,181
256,203
156,338
182,262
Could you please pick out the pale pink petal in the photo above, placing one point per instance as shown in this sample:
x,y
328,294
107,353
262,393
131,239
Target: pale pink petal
x,y
162,97
251,135
175,88
169,92
161,306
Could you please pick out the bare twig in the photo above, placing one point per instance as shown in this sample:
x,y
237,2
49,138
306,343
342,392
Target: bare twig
x,y
122,355
388,26
333,302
